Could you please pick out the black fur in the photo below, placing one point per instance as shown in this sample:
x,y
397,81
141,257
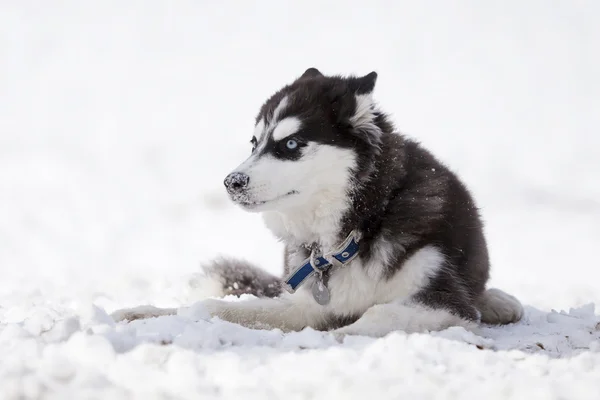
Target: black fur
x,y
401,192
413,200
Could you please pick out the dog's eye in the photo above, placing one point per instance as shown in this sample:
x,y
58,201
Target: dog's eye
x,y
291,144
289,148
254,142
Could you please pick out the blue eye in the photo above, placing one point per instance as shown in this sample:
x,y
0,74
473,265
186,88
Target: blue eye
x,y
291,144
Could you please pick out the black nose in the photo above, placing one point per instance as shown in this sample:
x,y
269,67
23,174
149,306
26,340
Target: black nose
x,y
236,181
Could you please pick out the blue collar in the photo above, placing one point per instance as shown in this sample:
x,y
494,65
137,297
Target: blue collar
x,y
345,253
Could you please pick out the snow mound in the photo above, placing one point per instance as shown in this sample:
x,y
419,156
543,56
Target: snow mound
x,y
188,355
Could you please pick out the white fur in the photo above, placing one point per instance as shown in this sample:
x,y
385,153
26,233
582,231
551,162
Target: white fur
x,y
286,127
382,319
383,251
265,313
364,117
322,179
278,110
259,134
354,290
259,129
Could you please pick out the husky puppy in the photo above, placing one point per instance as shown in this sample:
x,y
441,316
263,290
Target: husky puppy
x,y
379,235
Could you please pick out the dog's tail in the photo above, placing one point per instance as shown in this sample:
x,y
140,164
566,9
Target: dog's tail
x,y
228,276
498,307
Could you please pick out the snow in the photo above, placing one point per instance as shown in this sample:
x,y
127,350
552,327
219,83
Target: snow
x,y
119,120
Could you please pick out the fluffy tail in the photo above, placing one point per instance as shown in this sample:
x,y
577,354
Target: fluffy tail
x,y
498,307
228,276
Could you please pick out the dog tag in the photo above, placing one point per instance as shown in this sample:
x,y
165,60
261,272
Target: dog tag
x,y
320,292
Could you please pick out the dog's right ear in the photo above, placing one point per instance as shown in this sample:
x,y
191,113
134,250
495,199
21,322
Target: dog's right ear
x,y
311,73
364,84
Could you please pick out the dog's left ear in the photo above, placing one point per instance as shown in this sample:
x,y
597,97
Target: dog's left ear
x,y
362,116
364,84
352,96
311,73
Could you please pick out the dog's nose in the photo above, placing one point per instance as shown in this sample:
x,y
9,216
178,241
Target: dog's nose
x,y
236,181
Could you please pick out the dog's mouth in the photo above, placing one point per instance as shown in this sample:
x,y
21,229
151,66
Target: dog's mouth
x,y
256,203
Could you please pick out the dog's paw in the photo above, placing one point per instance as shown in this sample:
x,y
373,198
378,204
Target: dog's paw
x,y
498,307
338,335
141,312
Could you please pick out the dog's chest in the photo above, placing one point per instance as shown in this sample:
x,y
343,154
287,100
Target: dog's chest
x,y
359,285
352,290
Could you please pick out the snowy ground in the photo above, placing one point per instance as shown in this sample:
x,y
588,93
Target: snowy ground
x,y
119,120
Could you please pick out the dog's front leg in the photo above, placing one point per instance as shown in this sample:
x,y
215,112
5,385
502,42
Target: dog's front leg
x,y
381,319
285,313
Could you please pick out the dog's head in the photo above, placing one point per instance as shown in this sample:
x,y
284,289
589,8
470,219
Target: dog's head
x,y
312,139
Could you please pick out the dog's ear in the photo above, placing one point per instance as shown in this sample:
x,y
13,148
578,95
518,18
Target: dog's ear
x,y
353,106
351,98
363,121
364,84
311,73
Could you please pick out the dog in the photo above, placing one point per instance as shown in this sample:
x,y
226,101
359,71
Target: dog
x,y
379,235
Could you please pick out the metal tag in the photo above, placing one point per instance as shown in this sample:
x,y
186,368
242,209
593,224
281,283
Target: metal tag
x,y
320,292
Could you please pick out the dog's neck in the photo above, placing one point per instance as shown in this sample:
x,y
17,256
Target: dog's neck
x,y
312,223
327,222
